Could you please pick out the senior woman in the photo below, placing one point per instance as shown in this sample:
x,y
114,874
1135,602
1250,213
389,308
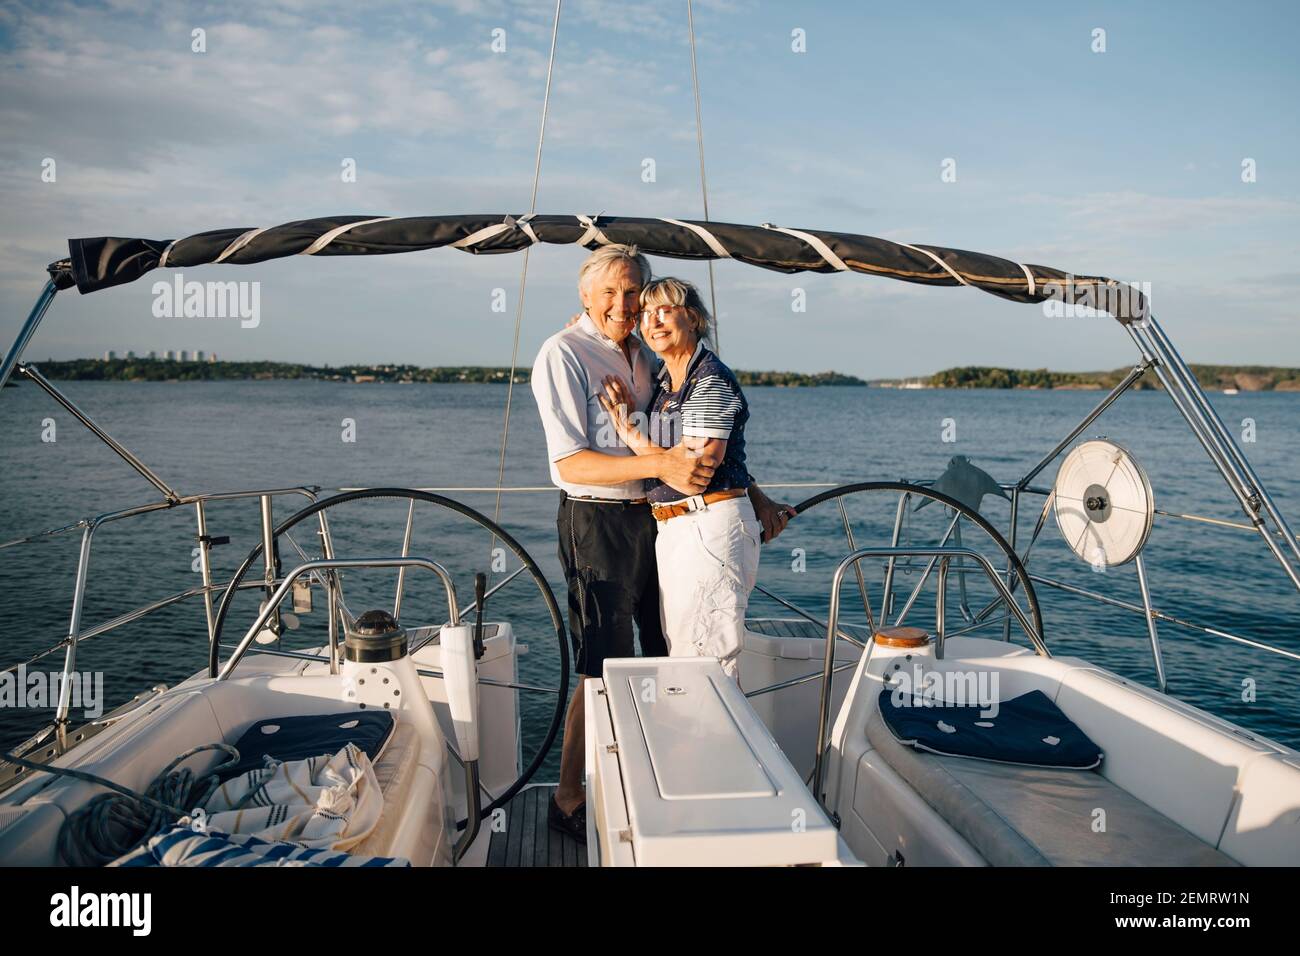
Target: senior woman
x,y
707,545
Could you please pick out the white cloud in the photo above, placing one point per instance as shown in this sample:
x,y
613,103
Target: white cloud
x,y
1131,212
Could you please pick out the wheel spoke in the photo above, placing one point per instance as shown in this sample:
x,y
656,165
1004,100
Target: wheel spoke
x,y
916,591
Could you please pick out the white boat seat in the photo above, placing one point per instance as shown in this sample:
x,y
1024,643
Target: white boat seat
x,y
396,770
1031,816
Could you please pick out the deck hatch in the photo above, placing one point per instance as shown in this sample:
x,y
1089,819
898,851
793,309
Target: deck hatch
x,y
696,747
702,779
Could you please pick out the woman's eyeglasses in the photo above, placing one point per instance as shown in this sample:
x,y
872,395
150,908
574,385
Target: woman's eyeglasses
x,y
660,312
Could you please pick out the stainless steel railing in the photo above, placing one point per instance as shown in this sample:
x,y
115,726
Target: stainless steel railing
x,y
332,564
77,633
90,527
943,555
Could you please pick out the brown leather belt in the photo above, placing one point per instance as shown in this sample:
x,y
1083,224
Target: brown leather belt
x,y
674,509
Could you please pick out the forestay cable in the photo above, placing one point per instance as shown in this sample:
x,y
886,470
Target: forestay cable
x,y
523,275
704,189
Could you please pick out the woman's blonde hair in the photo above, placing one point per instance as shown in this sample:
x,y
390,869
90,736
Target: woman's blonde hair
x,y
672,291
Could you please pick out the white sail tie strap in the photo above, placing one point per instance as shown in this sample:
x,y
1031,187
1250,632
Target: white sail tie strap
x,y
946,268
819,247
162,260
718,248
1029,277
487,232
238,244
334,233
527,227
593,232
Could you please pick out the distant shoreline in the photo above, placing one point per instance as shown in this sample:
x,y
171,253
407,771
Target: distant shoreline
x,y
1242,378
171,370
1227,378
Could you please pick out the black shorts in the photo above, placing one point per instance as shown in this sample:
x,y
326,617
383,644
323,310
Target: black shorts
x,y
608,555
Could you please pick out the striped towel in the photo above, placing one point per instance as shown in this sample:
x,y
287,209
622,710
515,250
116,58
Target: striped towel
x,y
183,846
326,802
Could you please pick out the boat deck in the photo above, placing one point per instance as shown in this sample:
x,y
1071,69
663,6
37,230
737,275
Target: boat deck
x,y
527,840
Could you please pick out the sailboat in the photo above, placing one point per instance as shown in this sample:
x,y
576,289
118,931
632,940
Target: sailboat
x,y
695,770
927,731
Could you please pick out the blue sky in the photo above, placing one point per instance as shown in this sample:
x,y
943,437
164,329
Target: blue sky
x,y
1125,163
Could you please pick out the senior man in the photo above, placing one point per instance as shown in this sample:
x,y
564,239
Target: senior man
x,y
606,529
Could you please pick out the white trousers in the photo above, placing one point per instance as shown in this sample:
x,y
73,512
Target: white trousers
x,y
708,564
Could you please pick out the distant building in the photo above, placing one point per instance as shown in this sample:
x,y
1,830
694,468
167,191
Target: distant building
x,y
169,355
153,355
130,355
110,355
185,355
199,356
212,357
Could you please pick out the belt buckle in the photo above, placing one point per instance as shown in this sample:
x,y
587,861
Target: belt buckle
x,y
695,503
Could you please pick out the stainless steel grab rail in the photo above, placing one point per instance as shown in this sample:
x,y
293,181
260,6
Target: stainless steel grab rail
x,y
332,564
832,624
92,525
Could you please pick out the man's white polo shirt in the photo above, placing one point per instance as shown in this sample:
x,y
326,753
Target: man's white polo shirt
x,y
566,382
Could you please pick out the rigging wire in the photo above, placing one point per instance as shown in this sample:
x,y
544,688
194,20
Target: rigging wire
x,y
704,189
523,275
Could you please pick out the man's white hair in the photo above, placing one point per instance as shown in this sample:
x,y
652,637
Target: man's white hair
x,y
610,255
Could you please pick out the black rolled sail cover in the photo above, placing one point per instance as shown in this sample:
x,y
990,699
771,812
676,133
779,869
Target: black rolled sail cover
x,y
103,262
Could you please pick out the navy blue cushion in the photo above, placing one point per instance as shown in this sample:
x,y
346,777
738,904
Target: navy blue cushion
x,y
297,738
1030,730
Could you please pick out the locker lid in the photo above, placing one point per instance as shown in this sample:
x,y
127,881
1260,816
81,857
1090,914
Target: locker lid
x,y
703,779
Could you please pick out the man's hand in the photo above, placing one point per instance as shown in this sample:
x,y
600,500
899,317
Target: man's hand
x,y
772,515
683,469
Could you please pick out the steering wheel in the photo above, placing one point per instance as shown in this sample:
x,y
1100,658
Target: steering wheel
x,y
561,693
1014,564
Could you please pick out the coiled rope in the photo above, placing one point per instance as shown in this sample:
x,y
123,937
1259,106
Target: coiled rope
x,y
113,824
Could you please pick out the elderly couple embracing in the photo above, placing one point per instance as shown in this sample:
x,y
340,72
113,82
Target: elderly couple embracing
x,y
659,520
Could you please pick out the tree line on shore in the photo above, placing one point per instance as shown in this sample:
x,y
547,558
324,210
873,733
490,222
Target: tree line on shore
x,y
1246,378
1251,378
169,370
